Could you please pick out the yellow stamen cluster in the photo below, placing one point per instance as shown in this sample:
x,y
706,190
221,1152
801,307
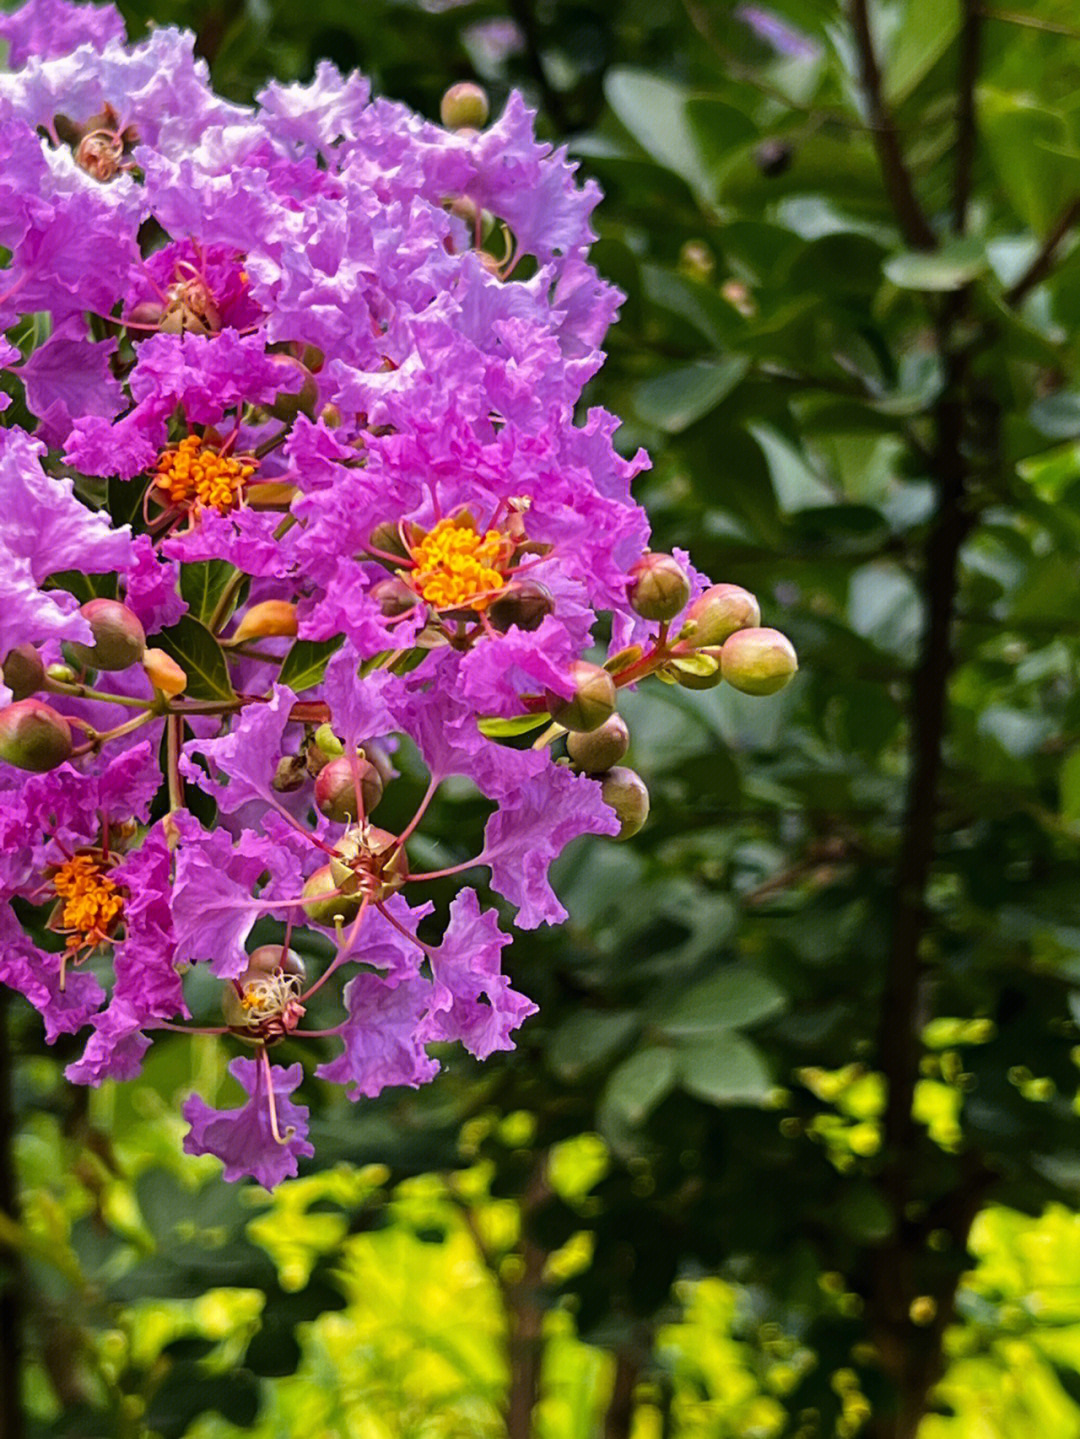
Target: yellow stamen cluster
x,y
269,996
189,475
455,567
92,902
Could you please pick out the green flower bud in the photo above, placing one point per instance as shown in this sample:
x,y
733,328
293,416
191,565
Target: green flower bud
x,y
328,742
322,902
524,603
464,107
335,788
394,596
23,671
596,751
62,674
624,790
593,701
758,661
119,638
659,587
33,736
718,613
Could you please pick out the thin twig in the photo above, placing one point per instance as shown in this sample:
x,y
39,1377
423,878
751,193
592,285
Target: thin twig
x,y
1044,261
913,223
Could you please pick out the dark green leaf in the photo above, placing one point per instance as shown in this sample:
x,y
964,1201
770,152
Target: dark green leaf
x,y
200,656
305,664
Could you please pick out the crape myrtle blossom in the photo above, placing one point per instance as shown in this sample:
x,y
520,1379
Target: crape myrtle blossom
x,y
294,469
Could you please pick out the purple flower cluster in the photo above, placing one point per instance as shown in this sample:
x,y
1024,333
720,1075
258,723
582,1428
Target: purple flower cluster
x,y
292,469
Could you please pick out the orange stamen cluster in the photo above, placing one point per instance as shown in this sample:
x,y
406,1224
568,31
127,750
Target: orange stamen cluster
x,y
456,566
92,903
191,476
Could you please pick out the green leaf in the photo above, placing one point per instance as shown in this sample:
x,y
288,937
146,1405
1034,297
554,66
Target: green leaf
x,y
730,999
724,1070
200,656
1024,144
305,664
640,1083
796,486
925,31
202,585
83,586
722,135
676,399
126,501
1069,786
950,268
654,112
496,728
1053,472
588,1039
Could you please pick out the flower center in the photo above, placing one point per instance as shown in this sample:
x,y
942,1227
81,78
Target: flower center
x,y
191,476
268,1004
456,566
92,903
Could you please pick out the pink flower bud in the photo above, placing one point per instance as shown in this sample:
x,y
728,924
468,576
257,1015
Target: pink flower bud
x,y
33,736
335,789
718,613
593,701
119,638
464,107
758,661
624,790
658,587
599,749
23,671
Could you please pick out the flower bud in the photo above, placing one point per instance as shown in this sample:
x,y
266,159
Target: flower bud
x,y
524,603
267,620
62,674
336,786
119,638
164,673
625,792
658,587
758,661
464,107
599,749
291,403
33,736
593,701
23,671
719,612
394,596
370,860
290,774
270,957
322,901
328,742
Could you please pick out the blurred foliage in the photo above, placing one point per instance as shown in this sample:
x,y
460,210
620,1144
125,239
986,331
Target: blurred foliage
x,y
691,1202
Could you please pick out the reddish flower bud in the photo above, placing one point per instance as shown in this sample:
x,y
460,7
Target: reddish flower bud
x,y
599,749
119,638
659,587
164,673
33,736
269,957
464,107
524,603
267,620
323,902
719,612
23,671
370,861
758,662
394,596
593,701
624,790
335,788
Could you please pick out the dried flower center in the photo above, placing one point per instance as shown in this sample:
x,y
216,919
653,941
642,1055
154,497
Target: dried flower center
x,y
92,903
456,566
191,476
